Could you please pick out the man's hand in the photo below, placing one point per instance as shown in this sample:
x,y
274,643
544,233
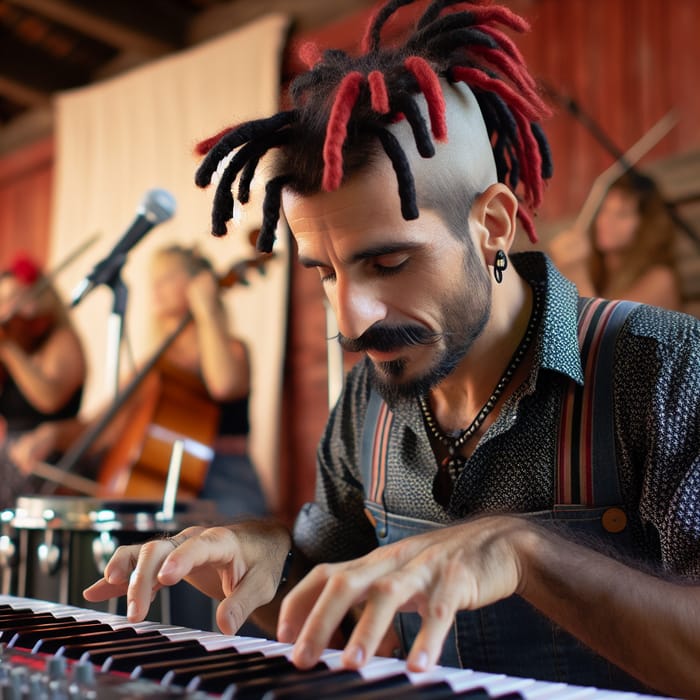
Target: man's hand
x,y
463,567
240,565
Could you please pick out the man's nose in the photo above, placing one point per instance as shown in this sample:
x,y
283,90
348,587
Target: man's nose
x,y
357,306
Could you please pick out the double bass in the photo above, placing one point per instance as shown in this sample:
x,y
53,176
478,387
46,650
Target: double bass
x,y
159,405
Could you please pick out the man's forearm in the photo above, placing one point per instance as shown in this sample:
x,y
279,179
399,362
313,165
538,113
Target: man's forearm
x,y
646,625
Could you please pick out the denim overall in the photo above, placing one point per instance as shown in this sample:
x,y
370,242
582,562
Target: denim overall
x,y
511,636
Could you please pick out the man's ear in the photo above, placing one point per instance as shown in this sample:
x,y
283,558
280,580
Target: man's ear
x,y
493,218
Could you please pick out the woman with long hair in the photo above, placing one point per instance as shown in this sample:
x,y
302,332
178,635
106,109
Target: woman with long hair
x,y
42,364
629,250
204,356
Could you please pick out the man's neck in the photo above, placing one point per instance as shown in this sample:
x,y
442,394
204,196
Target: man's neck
x,y
459,397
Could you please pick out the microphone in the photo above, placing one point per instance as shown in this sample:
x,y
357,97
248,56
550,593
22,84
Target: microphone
x,y
157,206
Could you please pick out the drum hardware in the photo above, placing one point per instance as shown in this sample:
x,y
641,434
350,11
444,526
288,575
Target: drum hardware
x,y
62,545
8,550
48,553
167,512
103,547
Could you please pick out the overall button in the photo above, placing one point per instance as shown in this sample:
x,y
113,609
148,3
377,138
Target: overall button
x,y
614,520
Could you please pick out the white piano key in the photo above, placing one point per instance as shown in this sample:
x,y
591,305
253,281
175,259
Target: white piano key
x,y
377,667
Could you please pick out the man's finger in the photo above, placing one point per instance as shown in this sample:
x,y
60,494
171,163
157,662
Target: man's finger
x,y
385,597
214,546
256,588
438,612
143,580
345,585
102,590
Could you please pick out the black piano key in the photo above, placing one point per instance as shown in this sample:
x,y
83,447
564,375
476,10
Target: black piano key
x,y
45,623
28,639
194,665
52,645
434,691
428,691
24,619
272,667
8,630
330,689
156,670
87,643
99,655
259,687
190,676
127,661
252,687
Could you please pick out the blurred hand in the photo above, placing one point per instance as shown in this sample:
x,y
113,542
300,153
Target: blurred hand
x,y
34,447
202,294
570,247
436,574
239,564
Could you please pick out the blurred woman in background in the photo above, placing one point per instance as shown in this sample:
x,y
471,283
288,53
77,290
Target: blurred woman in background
x,y
628,251
204,356
42,365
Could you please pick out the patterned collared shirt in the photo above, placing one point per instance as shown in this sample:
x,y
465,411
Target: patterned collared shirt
x,y
656,400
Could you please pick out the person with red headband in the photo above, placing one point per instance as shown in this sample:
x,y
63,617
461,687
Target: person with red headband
x,y
509,480
42,365
204,359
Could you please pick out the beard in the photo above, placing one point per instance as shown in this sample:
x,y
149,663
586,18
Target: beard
x,y
464,315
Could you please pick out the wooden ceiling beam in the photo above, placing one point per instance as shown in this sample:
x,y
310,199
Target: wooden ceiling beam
x,y
21,94
108,22
37,71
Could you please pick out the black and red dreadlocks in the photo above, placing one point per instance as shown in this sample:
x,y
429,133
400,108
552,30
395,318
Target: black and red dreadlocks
x,y
342,106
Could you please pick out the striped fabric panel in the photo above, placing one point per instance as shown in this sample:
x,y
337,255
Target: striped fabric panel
x,y
577,427
380,448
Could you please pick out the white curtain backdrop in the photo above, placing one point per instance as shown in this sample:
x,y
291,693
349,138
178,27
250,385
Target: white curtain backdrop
x,y
122,137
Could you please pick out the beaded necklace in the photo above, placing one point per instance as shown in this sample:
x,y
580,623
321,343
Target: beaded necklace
x,y
450,467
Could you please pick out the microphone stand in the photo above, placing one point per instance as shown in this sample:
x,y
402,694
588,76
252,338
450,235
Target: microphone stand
x,y
108,273
115,330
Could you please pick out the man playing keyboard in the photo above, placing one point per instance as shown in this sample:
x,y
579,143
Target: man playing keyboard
x,y
509,479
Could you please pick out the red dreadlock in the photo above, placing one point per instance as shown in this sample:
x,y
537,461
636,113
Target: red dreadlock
x,y
321,141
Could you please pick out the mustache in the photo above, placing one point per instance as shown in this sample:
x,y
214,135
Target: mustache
x,y
388,338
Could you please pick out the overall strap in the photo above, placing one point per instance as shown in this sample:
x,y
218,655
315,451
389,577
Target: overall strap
x,y
374,451
586,462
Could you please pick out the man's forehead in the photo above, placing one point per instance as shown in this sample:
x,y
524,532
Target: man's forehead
x,y
363,198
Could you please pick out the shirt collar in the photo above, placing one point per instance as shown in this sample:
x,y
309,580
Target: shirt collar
x,y
557,347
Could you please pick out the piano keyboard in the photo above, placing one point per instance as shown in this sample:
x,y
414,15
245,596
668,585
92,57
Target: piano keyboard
x,y
50,651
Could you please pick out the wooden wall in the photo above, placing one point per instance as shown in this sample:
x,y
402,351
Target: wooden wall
x,y
626,63
25,201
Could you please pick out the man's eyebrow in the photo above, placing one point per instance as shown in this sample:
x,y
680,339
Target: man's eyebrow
x,y
374,252
366,254
384,249
310,262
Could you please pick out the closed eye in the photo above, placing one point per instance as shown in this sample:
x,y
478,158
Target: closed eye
x,y
390,264
327,274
